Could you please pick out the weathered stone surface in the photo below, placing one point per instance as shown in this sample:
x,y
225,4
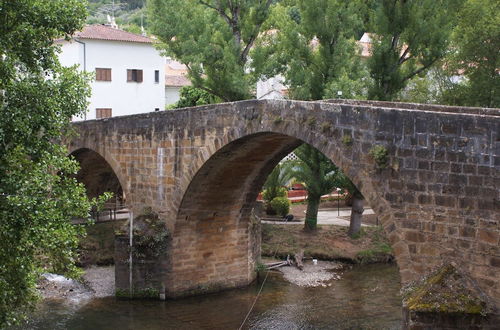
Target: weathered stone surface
x,y
200,170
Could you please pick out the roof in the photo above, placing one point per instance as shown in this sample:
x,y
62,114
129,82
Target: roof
x,y
105,32
176,81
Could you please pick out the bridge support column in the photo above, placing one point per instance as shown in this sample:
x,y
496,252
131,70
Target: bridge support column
x,y
141,269
201,257
446,299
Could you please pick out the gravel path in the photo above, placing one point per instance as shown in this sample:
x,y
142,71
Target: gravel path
x,y
101,280
313,275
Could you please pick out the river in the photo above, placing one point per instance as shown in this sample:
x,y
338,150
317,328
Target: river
x,y
366,297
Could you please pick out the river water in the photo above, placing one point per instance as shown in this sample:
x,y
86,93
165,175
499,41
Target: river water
x,y
366,297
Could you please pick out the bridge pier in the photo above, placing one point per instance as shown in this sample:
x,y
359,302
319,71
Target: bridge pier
x,y
206,256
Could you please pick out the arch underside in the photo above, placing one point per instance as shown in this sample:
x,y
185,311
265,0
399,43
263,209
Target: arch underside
x,y
97,175
213,227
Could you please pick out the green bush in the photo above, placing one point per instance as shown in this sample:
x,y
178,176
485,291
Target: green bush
x,y
281,205
269,194
380,155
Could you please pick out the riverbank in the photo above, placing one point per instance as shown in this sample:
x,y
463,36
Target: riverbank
x,y
328,242
96,282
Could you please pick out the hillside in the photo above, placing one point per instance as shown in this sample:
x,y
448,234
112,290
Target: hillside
x,y
129,14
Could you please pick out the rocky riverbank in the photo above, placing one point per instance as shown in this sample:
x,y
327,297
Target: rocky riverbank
x,y
95,283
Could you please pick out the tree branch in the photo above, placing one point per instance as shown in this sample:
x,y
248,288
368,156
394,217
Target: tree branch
x,y
218,10
403,57
423,68
255,33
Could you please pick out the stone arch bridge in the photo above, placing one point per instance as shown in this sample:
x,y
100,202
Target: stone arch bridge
x,y
199,170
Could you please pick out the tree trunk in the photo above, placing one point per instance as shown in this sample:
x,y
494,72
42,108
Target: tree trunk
x,y
312,212
356,216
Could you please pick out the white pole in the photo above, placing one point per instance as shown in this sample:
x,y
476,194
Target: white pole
x,y
131,240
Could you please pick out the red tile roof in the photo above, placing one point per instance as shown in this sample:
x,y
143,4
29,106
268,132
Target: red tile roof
x,y
104,32
176,81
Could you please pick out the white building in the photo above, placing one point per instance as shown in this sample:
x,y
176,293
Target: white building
x,y
129,71
175,79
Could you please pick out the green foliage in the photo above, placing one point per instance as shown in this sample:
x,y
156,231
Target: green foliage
x,y
476,42
379,250
213,38
38,195
312,44
130,14
269,194
319,175
281,205
347,140
276,181
192,97
410,37
151,235
380,155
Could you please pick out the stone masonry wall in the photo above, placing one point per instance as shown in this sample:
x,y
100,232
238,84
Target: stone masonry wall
x,y
200,170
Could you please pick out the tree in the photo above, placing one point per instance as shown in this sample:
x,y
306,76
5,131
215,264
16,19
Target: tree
x,y
312,44
319,175
213,39
357,203
476,44
192,97
38,196
409,37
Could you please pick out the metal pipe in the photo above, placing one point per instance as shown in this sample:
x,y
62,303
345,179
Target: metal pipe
x,y
131,240
84,64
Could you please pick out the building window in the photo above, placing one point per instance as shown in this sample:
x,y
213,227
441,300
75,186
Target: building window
x,y
103,113
157,76
102,74
134,75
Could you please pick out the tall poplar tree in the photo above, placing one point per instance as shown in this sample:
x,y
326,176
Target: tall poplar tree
x,y
213,39
313,45
38,197
409,37
476,55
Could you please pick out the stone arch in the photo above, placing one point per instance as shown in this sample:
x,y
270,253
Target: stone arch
x,y
98,175
213,240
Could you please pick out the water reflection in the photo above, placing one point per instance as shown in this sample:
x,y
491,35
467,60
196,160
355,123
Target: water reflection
x,y
367,297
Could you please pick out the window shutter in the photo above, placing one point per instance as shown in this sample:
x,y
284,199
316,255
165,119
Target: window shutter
x,y
103,113
102,74
139,76
129,75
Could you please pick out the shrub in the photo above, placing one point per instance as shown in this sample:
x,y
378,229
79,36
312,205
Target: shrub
x,y
269,194
281,205
380,155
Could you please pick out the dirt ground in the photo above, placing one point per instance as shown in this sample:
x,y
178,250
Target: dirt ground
x,y
328,242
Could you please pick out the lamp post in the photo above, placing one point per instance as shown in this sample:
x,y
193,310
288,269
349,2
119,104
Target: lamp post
x,y
338,201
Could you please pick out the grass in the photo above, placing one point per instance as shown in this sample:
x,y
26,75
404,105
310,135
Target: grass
x,y
326,243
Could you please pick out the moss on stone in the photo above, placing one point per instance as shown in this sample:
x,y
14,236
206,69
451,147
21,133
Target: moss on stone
x,y
148,293
445,291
